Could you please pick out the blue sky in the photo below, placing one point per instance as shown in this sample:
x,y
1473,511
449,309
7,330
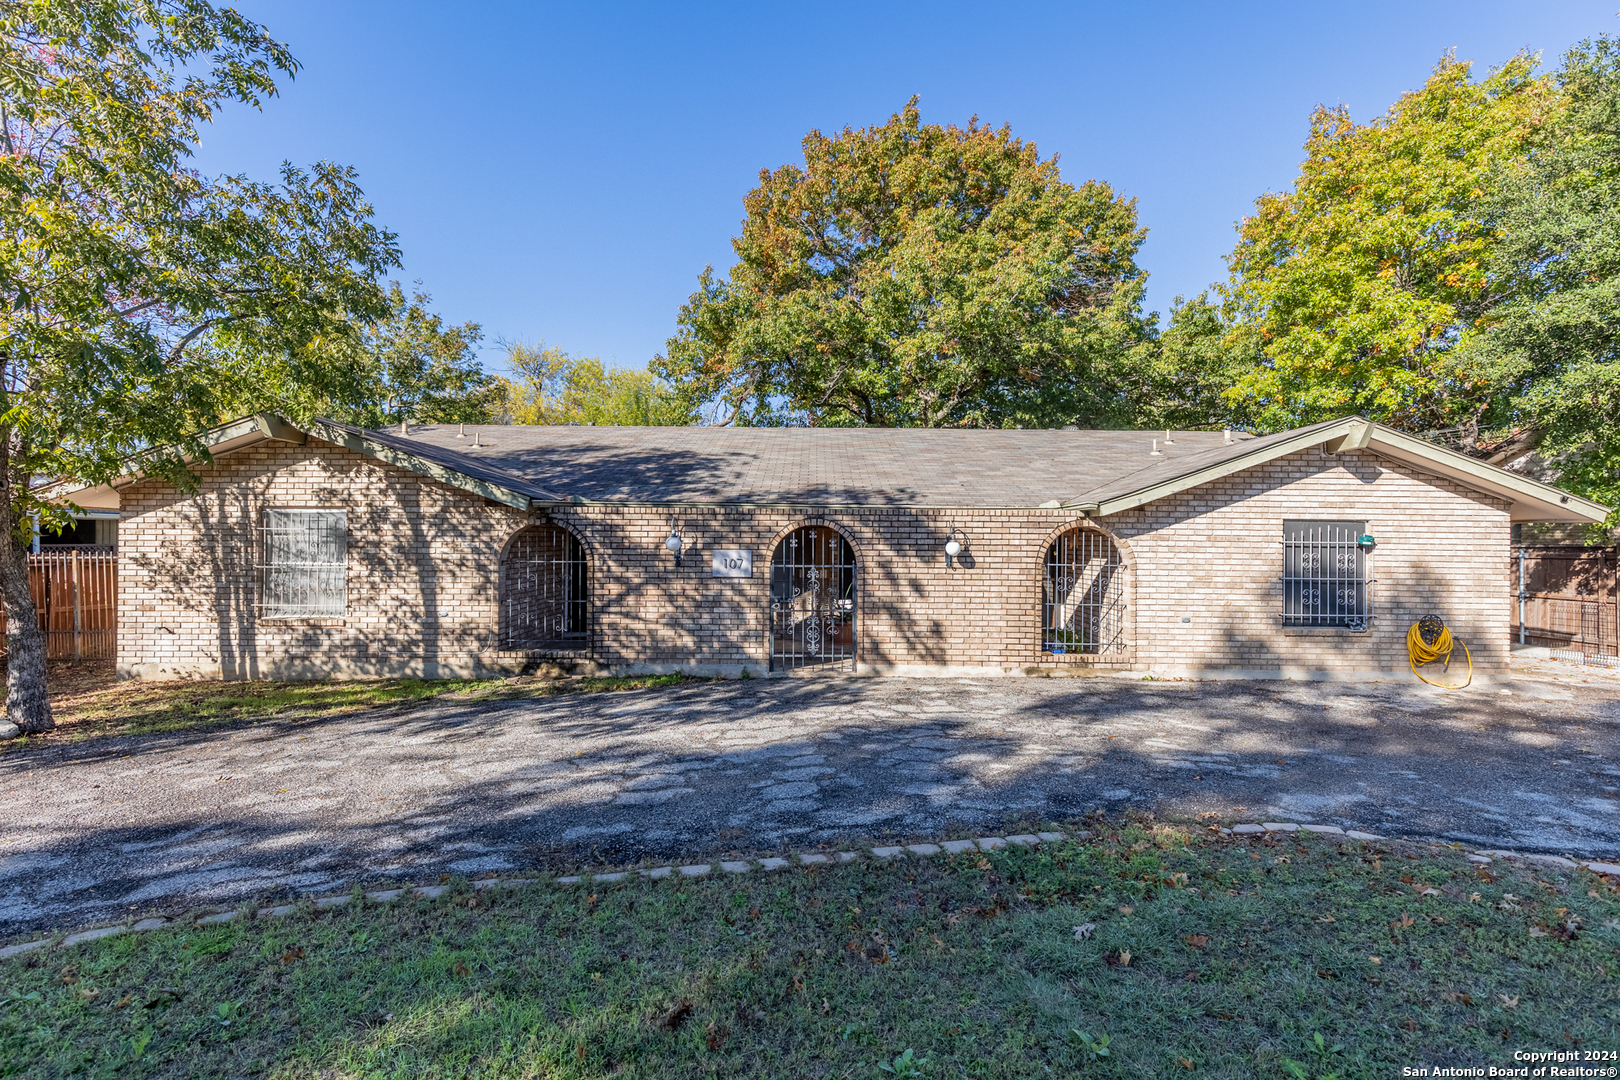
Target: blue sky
x,y
563,172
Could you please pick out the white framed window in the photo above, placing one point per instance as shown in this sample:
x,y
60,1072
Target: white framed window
x,y
305,552
1326,575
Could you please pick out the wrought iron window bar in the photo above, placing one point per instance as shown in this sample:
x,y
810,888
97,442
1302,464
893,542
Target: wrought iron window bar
x,y
303,564
1327,577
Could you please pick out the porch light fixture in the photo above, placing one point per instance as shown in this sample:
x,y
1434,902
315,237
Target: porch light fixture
x,y
673,544
954,544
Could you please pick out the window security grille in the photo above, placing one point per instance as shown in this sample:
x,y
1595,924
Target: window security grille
x,y
1084,602
543,597
304,556
1325,580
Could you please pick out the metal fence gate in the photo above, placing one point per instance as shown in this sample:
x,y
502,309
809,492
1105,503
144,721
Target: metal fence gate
x,y
1568,598
812,600
543,591
75,591
1083,603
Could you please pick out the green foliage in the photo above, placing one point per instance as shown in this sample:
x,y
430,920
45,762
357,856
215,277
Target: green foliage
x,y
906,1064
912,275
1551,345
117,257
1361,282
404,365
547,386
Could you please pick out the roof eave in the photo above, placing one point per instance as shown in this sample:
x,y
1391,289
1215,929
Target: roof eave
x,y
1198,477
1531,500
420,465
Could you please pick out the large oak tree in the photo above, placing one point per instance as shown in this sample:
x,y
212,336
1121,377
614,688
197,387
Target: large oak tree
x,y
910,274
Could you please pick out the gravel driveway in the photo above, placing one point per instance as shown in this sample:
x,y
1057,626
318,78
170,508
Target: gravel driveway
x,y
98,829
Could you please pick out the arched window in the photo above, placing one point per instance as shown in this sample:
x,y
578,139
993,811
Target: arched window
x,y
543,591
812,599
1083,609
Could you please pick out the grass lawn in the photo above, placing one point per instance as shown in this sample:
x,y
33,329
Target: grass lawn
x,y
89,703
1204,955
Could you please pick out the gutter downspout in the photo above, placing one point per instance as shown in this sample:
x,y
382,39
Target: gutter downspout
x,y
1521,596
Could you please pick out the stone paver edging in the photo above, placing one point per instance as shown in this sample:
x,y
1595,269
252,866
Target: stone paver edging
x,y
806,858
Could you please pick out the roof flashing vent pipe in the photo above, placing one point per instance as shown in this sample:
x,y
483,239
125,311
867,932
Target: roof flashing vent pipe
x,y
461,431
1156,450
1168,441
1226,436
476,445
403,429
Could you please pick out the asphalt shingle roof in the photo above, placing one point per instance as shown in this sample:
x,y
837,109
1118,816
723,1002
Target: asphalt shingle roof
x,y
817,466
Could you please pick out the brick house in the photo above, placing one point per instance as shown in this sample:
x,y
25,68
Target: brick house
x,y
445,550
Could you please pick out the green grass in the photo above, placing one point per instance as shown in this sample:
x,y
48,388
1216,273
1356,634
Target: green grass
x,y
1241,952
89,703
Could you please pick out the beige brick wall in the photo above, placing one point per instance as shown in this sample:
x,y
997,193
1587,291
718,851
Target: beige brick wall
x,y
423,576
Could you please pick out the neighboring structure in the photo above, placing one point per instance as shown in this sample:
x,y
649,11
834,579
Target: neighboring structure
x,y
446,550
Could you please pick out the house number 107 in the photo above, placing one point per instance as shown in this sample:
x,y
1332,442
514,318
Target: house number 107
x,y
733,563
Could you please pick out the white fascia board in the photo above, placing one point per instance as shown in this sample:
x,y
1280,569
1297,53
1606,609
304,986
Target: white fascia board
x,y
1532,500
1178,484
421,466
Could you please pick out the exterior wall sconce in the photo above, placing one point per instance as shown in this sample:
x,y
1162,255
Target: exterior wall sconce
x,y
673,544
954,545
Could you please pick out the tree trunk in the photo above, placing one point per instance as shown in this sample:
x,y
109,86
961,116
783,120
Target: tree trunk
x,y
27,704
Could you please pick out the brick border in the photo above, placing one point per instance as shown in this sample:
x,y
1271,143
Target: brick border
x,y
744,866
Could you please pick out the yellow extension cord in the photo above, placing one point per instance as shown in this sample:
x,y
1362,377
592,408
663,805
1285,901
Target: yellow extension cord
x,y
1418,652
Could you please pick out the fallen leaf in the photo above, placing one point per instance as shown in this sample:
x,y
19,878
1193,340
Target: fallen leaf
x,y
292,955
1536,931
1081,933
1401,923
1186,1063
1124,958
1197,941
1126,909
121,1002
87,994
460,970
1326,974
1376,959
1326,918
1473,897
715,1037
826,1008
1509,1002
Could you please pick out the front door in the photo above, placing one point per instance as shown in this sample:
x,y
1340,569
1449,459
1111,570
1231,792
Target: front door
x,y
813,600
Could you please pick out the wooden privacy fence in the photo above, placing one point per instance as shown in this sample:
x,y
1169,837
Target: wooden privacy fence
x,y
1567,597
76,596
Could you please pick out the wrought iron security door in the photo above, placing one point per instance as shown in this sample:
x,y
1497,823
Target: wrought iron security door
x,y
1083,609
543,591
812,600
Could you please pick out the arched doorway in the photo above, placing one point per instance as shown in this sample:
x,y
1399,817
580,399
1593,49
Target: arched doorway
x,y
543,591
812,600
1083,601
